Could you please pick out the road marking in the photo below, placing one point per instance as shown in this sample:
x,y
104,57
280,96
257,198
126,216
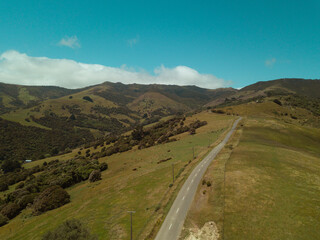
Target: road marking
x,y
196,174
177,210
183,197
188,188
199,170
192,180
170,226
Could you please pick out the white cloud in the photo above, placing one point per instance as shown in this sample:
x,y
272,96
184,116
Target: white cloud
x,y
19,68
71,42
270,62
133,41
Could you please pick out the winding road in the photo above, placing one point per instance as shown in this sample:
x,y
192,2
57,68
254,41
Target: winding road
x,y
173,223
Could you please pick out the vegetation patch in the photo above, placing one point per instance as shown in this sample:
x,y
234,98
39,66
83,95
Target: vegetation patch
x,y
70,229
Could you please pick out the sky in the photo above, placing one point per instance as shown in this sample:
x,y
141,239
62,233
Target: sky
x,y
210,44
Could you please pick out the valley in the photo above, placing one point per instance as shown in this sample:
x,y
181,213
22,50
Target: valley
x,y
264,180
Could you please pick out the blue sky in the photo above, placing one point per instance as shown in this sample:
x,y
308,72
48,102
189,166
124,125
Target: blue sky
x,y
235,43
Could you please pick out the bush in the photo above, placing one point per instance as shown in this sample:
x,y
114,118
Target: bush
x,y
64,181
16,194
20,185
208,184
192,131
157,208
51,198
69,230
3,186
10,165
3,220
95,175
26,199
277,102
103,166
10,210
87,98
84,171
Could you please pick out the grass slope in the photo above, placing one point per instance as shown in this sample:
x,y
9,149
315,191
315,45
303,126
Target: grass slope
x,y
266,184
103,205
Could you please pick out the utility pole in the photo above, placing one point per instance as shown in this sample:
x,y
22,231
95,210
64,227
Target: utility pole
x,y
172,173
131,222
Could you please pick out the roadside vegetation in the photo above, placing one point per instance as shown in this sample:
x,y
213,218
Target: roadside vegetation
x,y
131,176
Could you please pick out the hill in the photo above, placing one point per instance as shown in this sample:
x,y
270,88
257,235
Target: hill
x,y
264,184
304,87
269,168
114,108
138,179
93,112
17,96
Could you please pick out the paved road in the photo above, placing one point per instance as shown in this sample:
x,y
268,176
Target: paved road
x,y
173,223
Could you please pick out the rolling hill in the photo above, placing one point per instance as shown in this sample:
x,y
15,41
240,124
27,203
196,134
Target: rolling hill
x,y
274,154
113,108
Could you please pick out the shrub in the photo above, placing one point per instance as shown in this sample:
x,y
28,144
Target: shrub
x,y
20,185
10,165
10,210
203,182
103,166
192,131
64,181
11,197
3,220
84,171
51,198
157,208
3,186
95,175
69,230
25,200
87,98
208,183
32,187
277,102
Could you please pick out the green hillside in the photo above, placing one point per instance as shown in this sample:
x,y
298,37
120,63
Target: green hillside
x,y
265,182
136,179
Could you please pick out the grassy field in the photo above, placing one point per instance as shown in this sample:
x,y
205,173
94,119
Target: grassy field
x,y
134,181
266,184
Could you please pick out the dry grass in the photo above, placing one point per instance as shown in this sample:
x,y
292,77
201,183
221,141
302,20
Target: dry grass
x,y
272,185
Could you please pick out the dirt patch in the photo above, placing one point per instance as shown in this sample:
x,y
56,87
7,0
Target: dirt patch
x,y
208,232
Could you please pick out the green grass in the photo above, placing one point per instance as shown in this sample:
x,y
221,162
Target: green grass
x,y
271,186
103,205
19,116
25,96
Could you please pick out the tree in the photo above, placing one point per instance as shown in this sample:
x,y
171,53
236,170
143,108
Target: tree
x,y
10,165
3,220
69,230
95,175
10,210
137,133
51,198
